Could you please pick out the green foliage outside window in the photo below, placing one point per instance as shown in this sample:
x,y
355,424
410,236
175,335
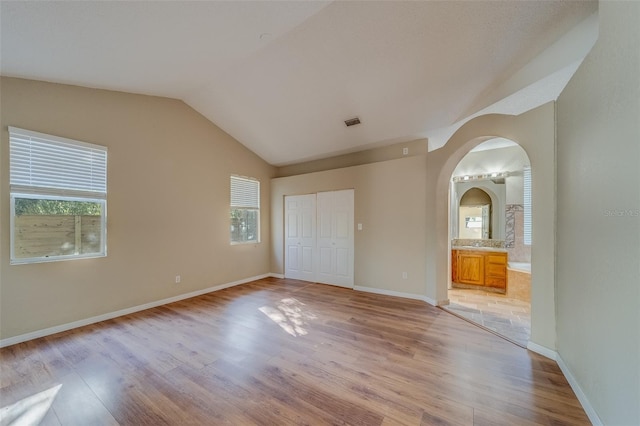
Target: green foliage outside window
x,y
244,225
29,206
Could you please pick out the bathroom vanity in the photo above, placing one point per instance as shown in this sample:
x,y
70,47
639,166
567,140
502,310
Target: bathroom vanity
x,y
480,268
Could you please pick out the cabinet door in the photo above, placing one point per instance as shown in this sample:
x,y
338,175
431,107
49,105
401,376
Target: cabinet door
x,y
470,268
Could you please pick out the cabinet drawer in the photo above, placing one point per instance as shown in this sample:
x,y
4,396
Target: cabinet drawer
x,y
493,270
498,259
496,282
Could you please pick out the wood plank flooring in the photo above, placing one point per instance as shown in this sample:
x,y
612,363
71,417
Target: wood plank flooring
x,y
280,352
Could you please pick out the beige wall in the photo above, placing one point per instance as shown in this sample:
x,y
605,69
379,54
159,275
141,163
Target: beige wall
x,y
367,156
390,204
168,205
534,131
598,274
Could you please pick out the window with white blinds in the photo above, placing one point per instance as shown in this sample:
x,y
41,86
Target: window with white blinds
x,y
51,164
58,197
527,206
245,210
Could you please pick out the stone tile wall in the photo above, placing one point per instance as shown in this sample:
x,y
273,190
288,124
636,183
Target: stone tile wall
x,y
514,234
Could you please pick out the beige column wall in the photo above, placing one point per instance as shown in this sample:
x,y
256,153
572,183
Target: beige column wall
x,y
598,274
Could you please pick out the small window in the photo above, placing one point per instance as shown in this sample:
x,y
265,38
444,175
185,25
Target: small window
x,y
58,198
245,210
527,206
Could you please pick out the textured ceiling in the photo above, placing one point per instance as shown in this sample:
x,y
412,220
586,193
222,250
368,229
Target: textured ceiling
x,y
281,77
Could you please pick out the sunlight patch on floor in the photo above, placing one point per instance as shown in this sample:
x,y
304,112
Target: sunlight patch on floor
x,y
30,410
290,315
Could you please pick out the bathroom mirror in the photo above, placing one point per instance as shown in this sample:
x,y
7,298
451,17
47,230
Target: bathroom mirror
x,y
478,210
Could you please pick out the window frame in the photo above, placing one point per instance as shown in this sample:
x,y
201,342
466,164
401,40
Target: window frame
x,y
528,206
21,190
252,205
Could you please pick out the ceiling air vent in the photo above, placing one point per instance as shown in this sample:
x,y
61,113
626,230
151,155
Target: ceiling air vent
x,y
352,121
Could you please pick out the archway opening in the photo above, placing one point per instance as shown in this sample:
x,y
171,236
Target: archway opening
x,y
490,262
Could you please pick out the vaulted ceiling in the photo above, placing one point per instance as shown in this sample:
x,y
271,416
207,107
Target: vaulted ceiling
x,y
281,77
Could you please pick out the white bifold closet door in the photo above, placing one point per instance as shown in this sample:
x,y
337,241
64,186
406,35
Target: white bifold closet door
x,y
319,237
300,237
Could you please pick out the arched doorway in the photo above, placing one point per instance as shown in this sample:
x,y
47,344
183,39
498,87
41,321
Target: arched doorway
x,y
535,133
488,197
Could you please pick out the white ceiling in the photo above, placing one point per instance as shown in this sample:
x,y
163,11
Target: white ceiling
x,y
281,77
494,143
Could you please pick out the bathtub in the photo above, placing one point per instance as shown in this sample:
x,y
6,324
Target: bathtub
x,y
520,267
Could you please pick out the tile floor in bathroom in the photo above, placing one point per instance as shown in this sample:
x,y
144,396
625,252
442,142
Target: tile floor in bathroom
x,y
508,317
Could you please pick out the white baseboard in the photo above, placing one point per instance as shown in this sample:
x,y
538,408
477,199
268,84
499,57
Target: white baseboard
x,y
390,293
433,302
413,296
274,275
430,301
92,320
582,398
584,401
542,350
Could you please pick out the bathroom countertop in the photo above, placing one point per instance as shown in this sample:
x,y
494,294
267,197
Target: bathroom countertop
x,y
496,249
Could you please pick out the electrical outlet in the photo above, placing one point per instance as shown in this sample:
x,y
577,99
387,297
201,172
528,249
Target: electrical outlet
x,y
405,151
404,275
177,279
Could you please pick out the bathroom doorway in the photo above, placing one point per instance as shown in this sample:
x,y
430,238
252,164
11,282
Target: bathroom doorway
x,y
490,234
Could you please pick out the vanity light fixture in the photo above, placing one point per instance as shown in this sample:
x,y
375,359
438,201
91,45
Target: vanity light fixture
x,y
485,176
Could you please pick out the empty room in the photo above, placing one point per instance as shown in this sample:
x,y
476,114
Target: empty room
x,y
320,212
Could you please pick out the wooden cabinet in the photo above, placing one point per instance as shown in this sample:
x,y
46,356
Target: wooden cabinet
x,y
477,268
454,266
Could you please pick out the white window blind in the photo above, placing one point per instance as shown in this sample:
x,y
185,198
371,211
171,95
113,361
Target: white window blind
x,y
56,165
527,206
245,193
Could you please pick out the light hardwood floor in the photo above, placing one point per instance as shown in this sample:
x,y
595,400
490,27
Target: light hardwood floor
x,y
278,352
